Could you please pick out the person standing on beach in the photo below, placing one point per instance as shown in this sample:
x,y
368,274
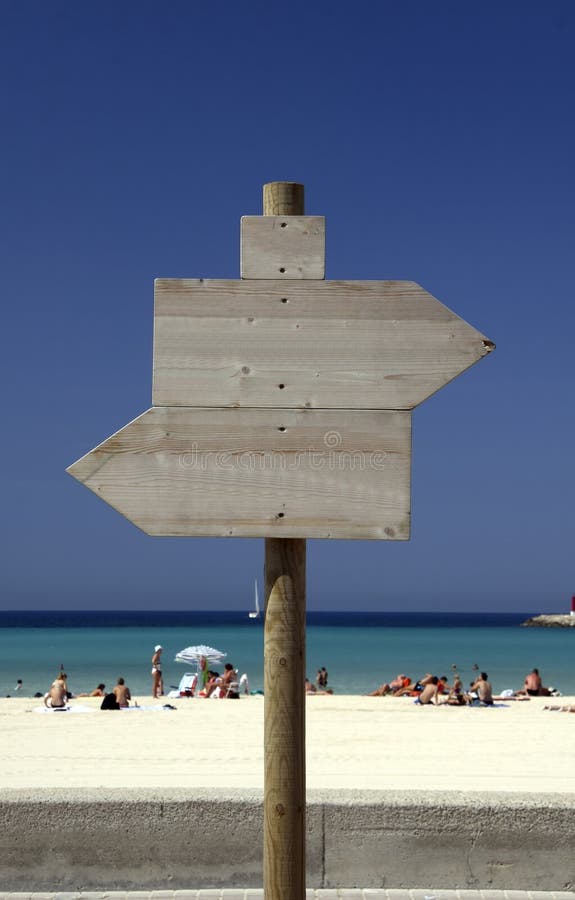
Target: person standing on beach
x,y
157,680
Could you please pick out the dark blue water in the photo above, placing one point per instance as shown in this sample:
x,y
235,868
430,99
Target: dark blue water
x,y
359,649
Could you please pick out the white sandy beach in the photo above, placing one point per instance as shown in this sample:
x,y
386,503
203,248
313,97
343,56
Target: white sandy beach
x,y
358,743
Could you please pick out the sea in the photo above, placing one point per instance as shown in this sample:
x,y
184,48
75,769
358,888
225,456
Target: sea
x,y
360,650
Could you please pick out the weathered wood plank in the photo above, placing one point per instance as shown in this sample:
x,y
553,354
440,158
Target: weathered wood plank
x,y
313,344
258,473
283,247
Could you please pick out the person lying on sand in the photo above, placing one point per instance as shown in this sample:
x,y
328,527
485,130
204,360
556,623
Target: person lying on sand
x,y
509,694
454,700
399,682
98,691
455,696
414,690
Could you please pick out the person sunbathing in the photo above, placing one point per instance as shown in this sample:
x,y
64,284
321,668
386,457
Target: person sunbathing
x,y
229,677
454,700
311,689
211,684
381,691
533,684
219,686
399,682
429,693
481,691
455,696
456,689
515,696
98,691
122,694
57,696
414,690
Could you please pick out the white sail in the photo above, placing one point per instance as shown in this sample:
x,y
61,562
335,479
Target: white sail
x,y
256,613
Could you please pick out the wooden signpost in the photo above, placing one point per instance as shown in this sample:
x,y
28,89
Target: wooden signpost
x,y
282,409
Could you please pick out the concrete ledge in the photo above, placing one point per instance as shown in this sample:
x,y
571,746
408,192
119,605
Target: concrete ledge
x,y
70,840
252,894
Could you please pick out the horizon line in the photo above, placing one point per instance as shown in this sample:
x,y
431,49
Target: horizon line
x,y
241,609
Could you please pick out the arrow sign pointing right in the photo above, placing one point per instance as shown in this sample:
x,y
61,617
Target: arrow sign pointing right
x,y
305,344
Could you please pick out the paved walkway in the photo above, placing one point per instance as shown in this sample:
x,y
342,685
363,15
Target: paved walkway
x,y
252,894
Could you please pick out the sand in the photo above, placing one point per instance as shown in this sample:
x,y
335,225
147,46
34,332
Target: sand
x,y
357,743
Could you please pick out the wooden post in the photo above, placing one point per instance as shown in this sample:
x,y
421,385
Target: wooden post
x,y
284,675
284,198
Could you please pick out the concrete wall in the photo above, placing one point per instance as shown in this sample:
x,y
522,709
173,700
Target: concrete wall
x,y
83,840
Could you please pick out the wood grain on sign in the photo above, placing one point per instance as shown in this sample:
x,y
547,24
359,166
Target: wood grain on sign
x,y
283,247
313,344
283,198
258,473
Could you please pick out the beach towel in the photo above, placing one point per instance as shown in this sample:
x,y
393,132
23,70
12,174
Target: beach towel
x,y
63,709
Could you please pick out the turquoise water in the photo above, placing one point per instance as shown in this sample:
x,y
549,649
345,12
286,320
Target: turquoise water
x,y
360,650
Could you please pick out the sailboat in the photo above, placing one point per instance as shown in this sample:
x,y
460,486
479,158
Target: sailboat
x,y
255,614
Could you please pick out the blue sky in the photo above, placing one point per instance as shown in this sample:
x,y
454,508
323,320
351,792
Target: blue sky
x,y
437,139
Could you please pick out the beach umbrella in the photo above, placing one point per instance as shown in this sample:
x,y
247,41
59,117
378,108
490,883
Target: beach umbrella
x,y
201,655
194,654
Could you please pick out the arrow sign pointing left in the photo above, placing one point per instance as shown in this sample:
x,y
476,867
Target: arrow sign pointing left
x,y
258,472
